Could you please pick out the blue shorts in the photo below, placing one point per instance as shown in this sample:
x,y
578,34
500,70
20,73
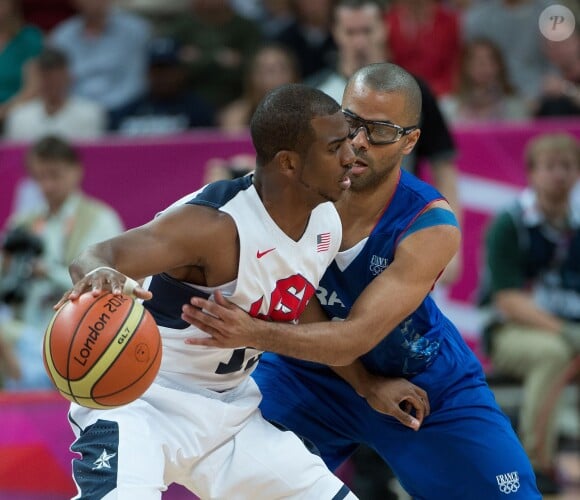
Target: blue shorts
x,y
466,448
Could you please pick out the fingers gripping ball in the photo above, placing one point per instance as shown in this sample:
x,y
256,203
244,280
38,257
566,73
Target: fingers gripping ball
x,y
102,352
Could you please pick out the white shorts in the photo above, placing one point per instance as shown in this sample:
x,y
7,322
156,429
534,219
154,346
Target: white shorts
x,y
217,445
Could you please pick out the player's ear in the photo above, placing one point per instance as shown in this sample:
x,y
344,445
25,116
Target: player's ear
x,y
411,141
287,160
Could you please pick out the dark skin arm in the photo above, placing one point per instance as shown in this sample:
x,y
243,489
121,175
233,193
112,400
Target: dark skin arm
x,y
190,243
402,286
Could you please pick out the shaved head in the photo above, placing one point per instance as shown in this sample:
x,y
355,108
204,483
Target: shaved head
x,y
387,77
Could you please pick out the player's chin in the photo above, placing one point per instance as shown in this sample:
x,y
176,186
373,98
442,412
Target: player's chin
x,y
331,196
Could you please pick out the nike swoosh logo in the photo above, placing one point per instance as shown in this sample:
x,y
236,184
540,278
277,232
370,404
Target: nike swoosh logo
x,y
259,254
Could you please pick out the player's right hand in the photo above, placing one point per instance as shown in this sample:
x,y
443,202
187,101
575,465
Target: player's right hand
x,y
104,279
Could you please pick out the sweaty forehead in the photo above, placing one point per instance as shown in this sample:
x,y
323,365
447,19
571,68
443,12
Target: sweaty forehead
x,y
375,105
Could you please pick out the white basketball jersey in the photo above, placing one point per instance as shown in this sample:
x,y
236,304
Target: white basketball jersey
x,y
276,278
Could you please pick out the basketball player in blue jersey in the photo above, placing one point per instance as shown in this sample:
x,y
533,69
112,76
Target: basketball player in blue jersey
x,y
398,236
257,239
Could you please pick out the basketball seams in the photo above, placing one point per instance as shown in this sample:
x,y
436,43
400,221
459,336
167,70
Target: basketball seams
x,y
137,380
123,347
104,297
59,379
108,357
126,345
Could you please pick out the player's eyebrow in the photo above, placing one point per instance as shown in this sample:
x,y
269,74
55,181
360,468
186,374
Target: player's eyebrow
x,y
338,140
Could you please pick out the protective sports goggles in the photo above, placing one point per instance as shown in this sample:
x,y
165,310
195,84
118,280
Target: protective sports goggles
x,y
377,132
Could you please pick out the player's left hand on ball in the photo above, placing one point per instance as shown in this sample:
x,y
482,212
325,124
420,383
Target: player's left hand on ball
x,y
228,325
401,399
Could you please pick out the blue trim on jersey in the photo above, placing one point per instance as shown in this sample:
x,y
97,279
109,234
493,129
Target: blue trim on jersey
x,y
434,217
96,472
412,345
342,493
169,295
217,194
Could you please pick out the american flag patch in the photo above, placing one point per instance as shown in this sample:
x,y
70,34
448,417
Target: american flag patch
x,y
322,242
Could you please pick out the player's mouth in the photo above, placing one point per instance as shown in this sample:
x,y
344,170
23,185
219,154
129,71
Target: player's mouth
x,y
358,167
345,182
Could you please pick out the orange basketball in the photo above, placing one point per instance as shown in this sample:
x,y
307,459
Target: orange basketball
x,y
102,352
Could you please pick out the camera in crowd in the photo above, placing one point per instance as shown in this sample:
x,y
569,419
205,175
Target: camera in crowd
x,y
21,248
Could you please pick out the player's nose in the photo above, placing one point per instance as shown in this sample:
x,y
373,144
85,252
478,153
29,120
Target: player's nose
x,y
348,155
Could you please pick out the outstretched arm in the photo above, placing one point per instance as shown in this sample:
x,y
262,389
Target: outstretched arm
x,y
165,244
386,301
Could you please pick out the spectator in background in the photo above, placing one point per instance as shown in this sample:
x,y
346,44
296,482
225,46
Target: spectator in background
x,y
484,92
423,36
215,42
513,26
271,66
55,111
19,45
9,365
107,52
50,239
168,106
532,280
309,35
273,16
359,32
561,86
159,13
46,14
277,16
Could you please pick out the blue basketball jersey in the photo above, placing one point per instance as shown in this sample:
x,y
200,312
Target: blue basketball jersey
x,y
413,345
466,447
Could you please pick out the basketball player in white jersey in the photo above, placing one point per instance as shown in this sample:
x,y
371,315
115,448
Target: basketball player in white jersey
x,y
264,240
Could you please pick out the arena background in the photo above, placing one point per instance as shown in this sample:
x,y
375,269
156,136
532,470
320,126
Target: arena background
x,y
140,177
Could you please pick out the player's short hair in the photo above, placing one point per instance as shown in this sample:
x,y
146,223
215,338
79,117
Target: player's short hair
x,y
558,142
388,77
282,120
54,148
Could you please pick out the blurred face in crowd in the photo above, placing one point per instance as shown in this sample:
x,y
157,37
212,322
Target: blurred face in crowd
x,y
359,34
313,12
565,55
57,179
54,83
554,172
271,68
93,8
8,11
482,67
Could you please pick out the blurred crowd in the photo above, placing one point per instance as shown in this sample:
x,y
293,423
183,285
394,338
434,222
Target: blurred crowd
x,y
84,68
77,70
